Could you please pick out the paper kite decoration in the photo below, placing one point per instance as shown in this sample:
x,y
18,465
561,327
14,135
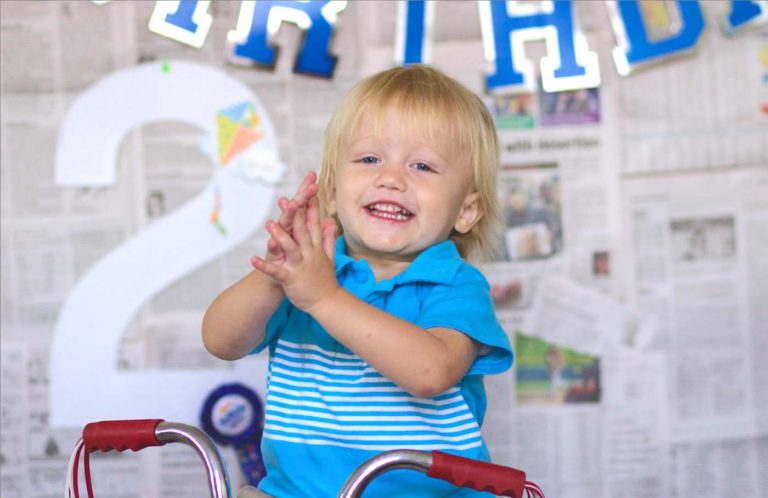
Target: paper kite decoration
x,y
239,127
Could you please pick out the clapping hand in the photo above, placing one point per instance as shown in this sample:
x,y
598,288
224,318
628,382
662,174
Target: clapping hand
x,y
300,251
289,207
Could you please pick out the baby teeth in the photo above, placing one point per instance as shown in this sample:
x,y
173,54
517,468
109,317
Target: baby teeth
x,y
389,208
392,216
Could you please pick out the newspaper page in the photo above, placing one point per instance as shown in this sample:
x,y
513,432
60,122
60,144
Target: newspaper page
x,y
733,467
13,420
670,123
695,271
699,269
609,440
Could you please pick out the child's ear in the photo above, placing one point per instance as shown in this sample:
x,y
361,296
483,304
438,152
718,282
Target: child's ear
x,y
470,214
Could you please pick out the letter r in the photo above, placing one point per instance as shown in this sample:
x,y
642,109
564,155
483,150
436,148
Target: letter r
x,y
260,20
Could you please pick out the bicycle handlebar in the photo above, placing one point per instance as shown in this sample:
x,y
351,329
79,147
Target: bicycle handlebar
x,y
136,435
459,471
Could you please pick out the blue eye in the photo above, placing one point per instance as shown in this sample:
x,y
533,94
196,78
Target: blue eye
x,y
369,160
423,167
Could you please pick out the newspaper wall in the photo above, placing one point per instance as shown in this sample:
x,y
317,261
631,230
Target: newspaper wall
x,y
632,273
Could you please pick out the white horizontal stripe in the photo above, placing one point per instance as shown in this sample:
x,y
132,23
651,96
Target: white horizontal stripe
x,y
321,358
303,374
392,419
372,447
299,361
340,389
355,390
314,347
374,437
292,368
404,400
384,427
358,398
369,409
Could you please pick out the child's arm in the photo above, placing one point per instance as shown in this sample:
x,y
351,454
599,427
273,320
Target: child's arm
x,y
423,362
235,322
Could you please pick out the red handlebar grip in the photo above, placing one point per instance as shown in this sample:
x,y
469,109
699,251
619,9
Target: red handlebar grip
x,y
121,435
480,476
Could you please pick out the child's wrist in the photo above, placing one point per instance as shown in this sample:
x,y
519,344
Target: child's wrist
x,y
326,303
273,286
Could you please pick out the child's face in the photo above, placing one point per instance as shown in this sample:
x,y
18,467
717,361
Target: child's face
x,y
396,193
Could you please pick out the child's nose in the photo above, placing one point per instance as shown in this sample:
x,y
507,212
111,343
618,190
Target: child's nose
x,y
390,176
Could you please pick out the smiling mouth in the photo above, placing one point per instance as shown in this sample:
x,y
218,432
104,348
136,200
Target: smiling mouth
x,y
389,211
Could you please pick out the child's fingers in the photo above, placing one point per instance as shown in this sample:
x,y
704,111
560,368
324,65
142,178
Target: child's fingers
x,y
300,232
307,189
273,248
305,183
289,209
328,227
309,179
313,222
302,198
282,238
267,268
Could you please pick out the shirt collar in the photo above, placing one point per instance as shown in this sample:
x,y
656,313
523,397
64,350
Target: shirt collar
x,y
437,264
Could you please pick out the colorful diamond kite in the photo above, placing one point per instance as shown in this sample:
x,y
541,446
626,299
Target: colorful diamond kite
x,y
238,126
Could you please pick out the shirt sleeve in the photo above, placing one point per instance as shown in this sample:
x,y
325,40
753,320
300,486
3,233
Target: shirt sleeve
x,y
466,306
275,324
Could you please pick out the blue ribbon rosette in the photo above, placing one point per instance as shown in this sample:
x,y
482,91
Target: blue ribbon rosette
x,y
233,415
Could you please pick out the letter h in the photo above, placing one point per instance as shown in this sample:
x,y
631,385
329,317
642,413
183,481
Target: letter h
x,y
506,26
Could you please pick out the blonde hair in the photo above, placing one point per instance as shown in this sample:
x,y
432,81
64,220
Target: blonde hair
x,y
447,112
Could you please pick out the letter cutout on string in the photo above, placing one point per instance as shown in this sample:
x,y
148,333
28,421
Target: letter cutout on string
x,y
85,384
413,40
635,49
506,26
260,21
745,14
186,21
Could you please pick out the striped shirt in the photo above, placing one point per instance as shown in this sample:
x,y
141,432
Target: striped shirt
x,y
328,411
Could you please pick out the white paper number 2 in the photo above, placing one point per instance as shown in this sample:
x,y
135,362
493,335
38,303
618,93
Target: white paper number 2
x,y
85,384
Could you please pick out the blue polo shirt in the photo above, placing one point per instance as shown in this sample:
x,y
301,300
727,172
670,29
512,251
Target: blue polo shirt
x,y
327,410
